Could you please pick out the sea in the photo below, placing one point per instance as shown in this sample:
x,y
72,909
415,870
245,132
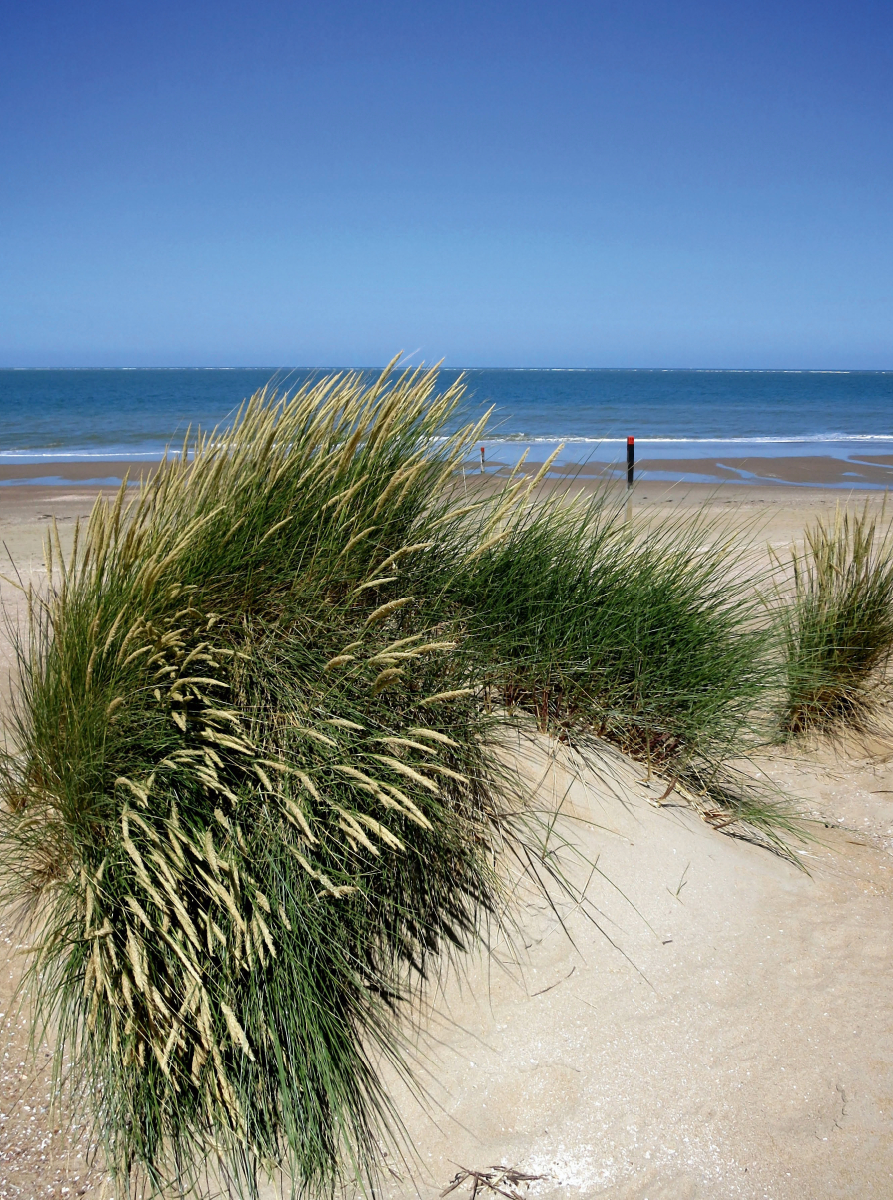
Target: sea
x,y
53,416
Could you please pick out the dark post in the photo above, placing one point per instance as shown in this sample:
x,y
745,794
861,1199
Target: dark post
x,y
630,460
482,460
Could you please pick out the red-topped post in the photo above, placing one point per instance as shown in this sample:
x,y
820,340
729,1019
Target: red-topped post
x,y
630,461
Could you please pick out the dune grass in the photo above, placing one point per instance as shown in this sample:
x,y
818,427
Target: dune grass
x,y
650,639
249,789
837,625
253,793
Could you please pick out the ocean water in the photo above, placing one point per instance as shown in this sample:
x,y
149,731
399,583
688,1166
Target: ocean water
x,y
59,415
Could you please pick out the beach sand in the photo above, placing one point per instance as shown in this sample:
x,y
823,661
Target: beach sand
x,y
819,470
719,1025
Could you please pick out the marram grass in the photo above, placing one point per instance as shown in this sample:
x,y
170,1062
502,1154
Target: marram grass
x,y
649,637
635,635
837,626
254,796
250,795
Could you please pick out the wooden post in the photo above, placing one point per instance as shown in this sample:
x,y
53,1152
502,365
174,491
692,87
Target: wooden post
x,y
630,476
482,460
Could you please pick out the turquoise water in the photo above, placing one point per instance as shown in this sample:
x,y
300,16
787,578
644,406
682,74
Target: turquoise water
x,y
131,414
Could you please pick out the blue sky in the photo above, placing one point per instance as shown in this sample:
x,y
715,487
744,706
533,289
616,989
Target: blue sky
x,y
499,184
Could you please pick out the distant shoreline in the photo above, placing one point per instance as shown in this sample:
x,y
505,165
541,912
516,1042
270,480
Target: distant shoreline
x,y
101,472
870,472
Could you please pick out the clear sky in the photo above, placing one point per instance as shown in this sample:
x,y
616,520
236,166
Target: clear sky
x,y
558,183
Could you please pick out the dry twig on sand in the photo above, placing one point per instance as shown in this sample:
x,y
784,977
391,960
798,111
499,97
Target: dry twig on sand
x,y
503,1181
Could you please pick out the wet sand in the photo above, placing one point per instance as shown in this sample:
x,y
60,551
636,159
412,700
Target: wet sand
x,y
868,471
77,472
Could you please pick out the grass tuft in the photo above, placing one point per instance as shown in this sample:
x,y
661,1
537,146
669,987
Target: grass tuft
x,y
236,893
649,639
837,627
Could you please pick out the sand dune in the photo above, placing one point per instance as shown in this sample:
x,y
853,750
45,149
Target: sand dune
x,y
735,1040
719,1024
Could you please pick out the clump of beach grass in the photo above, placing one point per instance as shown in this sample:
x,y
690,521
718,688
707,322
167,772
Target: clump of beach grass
x,y
650,639
248,792
254,793
837,625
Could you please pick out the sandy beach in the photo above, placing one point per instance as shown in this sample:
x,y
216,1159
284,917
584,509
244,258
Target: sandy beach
x,y
718,1025
818,470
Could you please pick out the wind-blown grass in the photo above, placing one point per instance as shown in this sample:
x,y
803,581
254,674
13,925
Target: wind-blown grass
x,y
837,626
252,793
248,810
648,639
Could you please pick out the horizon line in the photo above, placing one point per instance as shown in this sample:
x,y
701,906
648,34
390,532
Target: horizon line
x,y
557,370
